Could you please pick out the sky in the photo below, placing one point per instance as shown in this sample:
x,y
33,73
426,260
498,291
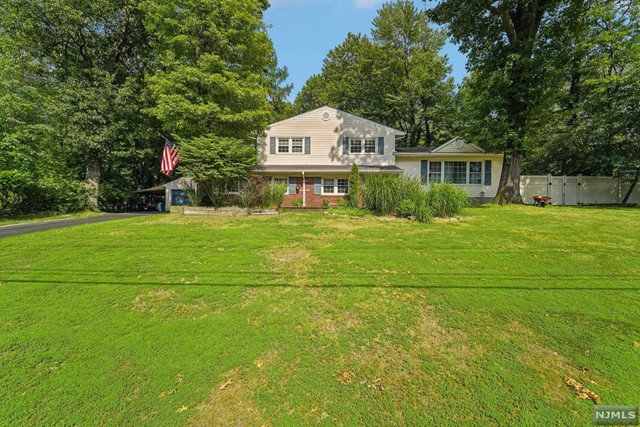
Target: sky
x,y
304,31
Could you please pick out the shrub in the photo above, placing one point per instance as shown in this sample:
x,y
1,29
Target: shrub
x,y
274,195
406,208
446,200
402,196
382,194
341,203
296,203
325,203
20,193
259,193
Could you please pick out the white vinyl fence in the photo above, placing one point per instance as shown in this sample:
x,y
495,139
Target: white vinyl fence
x,y
576,190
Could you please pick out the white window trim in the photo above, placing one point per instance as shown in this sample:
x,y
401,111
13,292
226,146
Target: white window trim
x,y
290,144
335,188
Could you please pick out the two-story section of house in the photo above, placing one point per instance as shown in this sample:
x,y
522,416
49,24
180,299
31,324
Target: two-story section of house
x,y
313,153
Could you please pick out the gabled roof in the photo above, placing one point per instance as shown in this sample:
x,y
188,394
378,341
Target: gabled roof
x,y
335,110
455,146
458,143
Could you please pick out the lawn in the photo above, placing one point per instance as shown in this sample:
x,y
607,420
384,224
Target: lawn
x,y
316,319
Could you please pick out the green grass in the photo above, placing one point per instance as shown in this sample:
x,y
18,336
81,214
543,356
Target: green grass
x,y
473,322
45,216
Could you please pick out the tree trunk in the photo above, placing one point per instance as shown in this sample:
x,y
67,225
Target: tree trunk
x,y
631,188
509,188
93,180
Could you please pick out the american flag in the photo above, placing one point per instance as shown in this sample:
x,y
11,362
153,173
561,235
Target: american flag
x,y
170,157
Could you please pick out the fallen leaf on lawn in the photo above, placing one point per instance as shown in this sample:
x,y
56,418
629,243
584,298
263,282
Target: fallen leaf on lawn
x,y
225,385
182,409
346,377
581,391
178,378
314,410
636,344
377,384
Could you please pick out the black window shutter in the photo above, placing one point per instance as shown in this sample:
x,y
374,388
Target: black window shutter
x,y
424,165
317,186
307,145
272,145
345,145
381,145
487,172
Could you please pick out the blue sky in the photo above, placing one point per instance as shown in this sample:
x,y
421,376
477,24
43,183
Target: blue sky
x,y
303,32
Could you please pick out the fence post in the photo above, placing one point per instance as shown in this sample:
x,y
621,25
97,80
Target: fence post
x,y
549,178
579,191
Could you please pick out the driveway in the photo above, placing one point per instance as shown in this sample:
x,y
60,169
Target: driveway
x,y
33,227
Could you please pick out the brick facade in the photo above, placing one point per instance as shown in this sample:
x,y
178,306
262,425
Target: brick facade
x,y
313,200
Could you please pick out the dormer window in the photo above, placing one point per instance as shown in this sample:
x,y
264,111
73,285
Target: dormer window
x,y
356,146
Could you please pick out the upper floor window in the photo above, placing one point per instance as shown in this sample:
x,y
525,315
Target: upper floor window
x,y
290,145
359,146
356,146
283,145
370,146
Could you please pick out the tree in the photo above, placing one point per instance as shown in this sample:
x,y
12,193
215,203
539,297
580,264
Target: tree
x,y
90,55
217,84
395,77
592,127
507,43
215,163
355,187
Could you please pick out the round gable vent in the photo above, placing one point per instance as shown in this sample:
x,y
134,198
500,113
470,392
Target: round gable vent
x,y
326,116
458,144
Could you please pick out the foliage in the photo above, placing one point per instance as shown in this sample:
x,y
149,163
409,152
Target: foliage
x,y
296,203
213,58
20,193
446,200
396,76
214,163
512,59
325,203
355,187
392,195
260,193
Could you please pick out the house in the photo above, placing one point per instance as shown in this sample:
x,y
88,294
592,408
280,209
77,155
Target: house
x,y
313,154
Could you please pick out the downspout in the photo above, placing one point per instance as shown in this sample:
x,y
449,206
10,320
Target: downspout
x,y
304,191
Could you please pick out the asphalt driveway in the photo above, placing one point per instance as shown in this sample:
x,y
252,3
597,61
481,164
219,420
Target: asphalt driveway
x,y
33,227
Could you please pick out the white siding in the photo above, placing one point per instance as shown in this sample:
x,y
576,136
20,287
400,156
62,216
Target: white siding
x,y
411,167
326,140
